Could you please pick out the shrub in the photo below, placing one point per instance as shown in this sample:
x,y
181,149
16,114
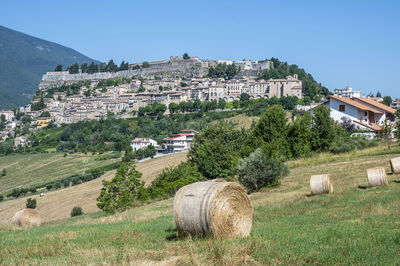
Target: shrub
x,y
76,181
1,197
65,154
122,191
66,183
76,211
49,186
57,185
4,172
172,179
256,171
33,190
31,203
215,151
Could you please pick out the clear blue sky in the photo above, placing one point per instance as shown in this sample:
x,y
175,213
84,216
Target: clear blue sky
x,y
340,43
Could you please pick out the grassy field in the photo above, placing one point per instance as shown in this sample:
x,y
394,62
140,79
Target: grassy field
x,y
242,120
355,225
32,169
59,203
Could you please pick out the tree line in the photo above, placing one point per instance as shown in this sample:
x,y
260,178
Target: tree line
x,y
94,68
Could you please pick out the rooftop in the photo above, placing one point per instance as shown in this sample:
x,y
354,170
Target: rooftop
x,y
355,104
378,105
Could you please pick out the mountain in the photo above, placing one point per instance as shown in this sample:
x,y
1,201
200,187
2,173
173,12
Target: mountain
x,y
23,61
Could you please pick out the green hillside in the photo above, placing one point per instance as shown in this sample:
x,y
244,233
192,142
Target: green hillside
x,y
25,170
354,225
23,61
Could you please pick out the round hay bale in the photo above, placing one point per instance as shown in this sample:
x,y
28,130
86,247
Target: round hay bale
x,y
321,184
26,217
218,209
377,177
395,165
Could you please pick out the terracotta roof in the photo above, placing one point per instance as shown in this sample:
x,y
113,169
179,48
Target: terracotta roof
x,y
378,105
372,126
355,104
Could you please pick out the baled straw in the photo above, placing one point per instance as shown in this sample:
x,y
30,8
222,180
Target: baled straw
x,y
26,217
377,177
395,165
218,209
321,184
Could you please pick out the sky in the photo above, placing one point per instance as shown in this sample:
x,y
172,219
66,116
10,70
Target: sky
x,y
341,43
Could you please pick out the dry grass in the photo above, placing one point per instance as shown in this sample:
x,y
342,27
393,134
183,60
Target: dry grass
x,y
25,170
242,120
58,204
354,225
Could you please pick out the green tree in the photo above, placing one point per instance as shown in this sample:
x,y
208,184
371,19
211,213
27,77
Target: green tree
x,y
31,203
387,100
123,191
307,100
323,128
84,67
58,68
4,172
45,114
215,151
256,171
221,104
378,94
111,66
270,133
171,179
74,69
186,56
300,136
145,64
236,104
173,107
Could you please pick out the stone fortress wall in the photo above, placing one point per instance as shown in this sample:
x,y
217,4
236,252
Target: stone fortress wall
x,y
175,67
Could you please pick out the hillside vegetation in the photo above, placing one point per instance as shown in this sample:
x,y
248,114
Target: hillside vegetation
x,y
23,61
58,204
355,225
31,169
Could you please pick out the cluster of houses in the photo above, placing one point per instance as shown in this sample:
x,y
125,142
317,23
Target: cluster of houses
x,y
173,143
67,109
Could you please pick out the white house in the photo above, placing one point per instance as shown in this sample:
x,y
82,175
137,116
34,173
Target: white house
x,y
347,92
395,104
8,115
364,113
140,143
179,142
390,113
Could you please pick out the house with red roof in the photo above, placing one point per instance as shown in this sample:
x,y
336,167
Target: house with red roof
x,y
364,113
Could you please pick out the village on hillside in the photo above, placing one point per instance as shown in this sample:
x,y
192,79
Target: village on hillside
x,y
65,98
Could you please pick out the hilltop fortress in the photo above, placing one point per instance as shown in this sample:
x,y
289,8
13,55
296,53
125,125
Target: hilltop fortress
x,y
175,67
164,82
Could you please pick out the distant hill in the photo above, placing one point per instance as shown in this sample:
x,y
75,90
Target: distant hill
x,y
23,61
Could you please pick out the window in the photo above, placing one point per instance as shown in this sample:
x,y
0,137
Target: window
x,y
365,113
342,108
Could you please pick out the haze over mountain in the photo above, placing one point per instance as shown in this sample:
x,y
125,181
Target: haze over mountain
x,y
23,61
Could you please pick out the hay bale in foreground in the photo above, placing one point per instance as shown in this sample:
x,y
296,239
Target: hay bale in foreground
x,y
26,217
377,177
321,184
219,209
395,165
